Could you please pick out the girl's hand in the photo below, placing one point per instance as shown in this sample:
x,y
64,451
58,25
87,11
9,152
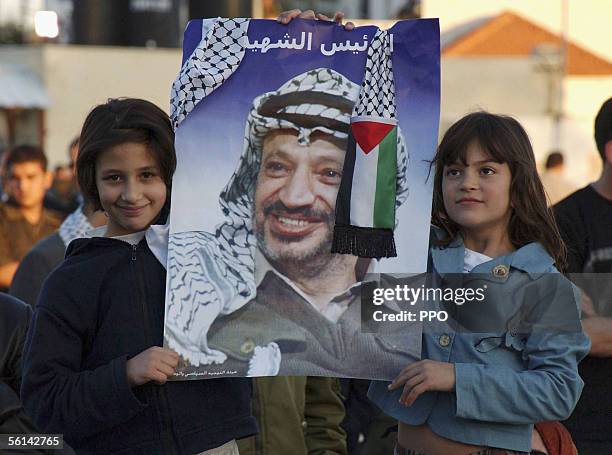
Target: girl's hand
x,y
287,16
155,364
424,376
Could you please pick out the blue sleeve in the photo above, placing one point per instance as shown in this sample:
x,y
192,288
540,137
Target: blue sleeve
x,y
548,388
57,393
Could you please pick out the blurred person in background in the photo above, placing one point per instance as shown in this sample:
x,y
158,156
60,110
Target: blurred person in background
x,y
2,155
64,196
14,321
23,219
296,415
369,431
49,252
553,178
585,223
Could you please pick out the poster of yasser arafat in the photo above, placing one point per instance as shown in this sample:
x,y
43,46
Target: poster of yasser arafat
x,y
263,113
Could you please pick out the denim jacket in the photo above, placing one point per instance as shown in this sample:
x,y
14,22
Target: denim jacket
x,y
507,380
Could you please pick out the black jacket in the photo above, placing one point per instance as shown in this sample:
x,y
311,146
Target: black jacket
x,y
103,305
14,319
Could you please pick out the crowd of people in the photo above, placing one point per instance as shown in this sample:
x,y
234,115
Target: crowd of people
x,y
81,331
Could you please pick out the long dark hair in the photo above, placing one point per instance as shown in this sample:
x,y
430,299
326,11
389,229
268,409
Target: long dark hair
x,y
505,140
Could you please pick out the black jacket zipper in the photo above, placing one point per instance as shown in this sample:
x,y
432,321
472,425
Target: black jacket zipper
x,y
166,437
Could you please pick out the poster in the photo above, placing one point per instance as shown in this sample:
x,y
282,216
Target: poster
x,y
262,112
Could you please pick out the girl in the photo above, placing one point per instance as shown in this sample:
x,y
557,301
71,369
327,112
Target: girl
x,y
93,366
481,393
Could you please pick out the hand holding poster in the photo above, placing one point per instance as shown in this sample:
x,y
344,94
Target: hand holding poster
x,y
263,114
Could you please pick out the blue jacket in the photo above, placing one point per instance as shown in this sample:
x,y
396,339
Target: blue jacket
x,y
101,306
507,378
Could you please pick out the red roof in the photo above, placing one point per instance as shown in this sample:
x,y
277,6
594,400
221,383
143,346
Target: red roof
x,y
510,35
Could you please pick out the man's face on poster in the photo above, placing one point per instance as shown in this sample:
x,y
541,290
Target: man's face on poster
x,y
295,197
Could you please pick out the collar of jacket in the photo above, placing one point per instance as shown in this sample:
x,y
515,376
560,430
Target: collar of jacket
x,y
531,258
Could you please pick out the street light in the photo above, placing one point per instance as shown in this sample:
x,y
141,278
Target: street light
x,y
550,59
45,24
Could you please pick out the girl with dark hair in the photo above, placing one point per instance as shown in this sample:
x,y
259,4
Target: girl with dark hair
x,y
503,141
480,390
94,368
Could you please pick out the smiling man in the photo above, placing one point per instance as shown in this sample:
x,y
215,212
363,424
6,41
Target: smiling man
x,y
295,196
294,208
288,180
23,220
305,317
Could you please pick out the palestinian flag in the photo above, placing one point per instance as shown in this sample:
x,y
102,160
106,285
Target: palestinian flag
x,y
365,208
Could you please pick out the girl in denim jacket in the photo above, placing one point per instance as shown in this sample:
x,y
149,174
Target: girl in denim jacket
x,y
481,393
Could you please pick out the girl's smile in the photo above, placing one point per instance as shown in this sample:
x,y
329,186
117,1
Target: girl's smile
x,y
467,201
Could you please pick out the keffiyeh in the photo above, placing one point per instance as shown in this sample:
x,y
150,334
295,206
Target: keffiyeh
x,y
374,175
75,226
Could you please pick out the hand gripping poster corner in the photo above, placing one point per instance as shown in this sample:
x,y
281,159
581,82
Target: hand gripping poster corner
x,y
262,113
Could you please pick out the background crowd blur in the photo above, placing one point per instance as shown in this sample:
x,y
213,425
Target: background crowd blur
x,y
547,63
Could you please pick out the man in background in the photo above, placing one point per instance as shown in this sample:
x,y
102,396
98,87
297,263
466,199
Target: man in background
x,y
23,219
47,254
555,183
64,196
585,222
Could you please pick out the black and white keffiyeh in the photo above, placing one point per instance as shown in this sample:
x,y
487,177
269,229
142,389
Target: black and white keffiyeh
x,y
374,179
75,226
213,61
377,98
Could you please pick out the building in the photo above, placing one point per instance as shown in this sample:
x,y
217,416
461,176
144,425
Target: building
x,y
69,80
506,63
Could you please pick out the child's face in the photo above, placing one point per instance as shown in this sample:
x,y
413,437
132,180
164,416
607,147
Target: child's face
x,y
477,193
131,188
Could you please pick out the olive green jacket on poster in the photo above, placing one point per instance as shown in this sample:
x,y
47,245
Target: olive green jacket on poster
x,y
296,415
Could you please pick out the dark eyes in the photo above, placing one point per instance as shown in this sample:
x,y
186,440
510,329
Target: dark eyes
x,y
330,176
114,178
275,169
452,172
275,166
331,173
